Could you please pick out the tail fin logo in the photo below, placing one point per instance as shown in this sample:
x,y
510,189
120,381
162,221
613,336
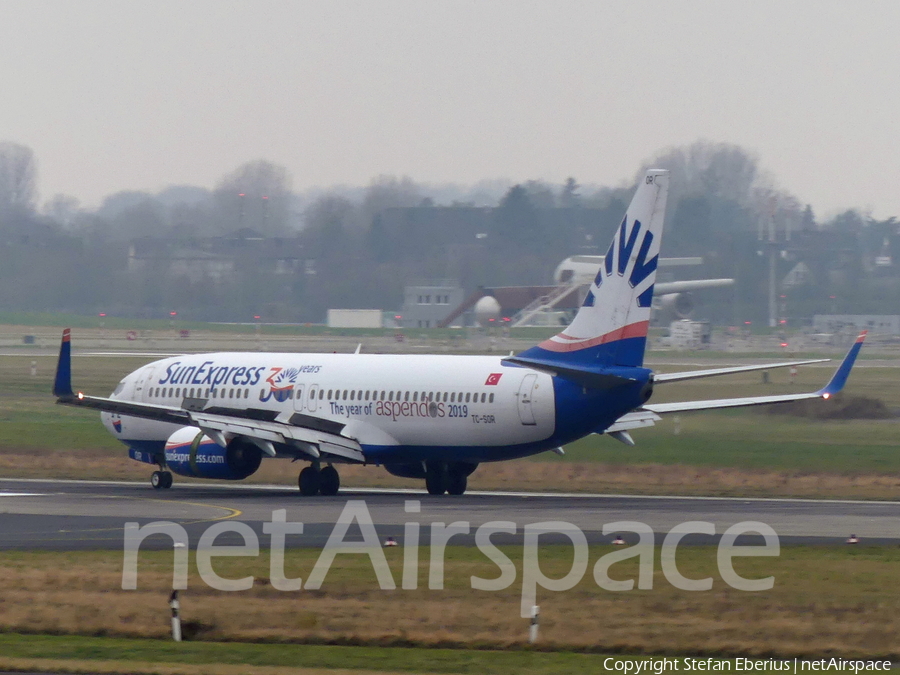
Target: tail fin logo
x,y
618,257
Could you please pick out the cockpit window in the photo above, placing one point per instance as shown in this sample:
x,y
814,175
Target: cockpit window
x,y
119,388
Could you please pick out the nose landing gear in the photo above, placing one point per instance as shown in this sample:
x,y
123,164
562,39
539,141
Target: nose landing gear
x,y
161,480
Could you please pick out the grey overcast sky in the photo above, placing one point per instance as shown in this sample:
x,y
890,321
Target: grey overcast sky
x,y
140,95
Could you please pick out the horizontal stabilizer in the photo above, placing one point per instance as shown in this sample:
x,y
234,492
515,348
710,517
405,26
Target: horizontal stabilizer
x,y
596,378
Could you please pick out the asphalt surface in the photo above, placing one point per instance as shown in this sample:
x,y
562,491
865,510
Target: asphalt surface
x,y
82,515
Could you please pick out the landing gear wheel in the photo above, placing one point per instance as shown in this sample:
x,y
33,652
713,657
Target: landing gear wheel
x,y
166,479
329,481
436,479
309,481
157,480
456,483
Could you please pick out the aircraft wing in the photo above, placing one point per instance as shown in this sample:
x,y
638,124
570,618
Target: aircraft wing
x,y
307,433
834,386
712,372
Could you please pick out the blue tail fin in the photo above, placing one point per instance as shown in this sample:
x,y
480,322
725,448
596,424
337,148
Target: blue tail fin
x,y
611,326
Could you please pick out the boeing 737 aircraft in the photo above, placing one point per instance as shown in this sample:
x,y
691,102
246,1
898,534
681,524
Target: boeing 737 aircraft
x,y
430,417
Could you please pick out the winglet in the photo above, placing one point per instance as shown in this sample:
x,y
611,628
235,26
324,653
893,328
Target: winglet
x,y
839,379
62,385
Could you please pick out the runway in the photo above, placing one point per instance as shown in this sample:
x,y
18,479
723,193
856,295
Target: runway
x,y
73,515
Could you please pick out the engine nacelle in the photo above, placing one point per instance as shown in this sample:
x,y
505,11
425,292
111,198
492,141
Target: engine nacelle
x,y
679,305
189,452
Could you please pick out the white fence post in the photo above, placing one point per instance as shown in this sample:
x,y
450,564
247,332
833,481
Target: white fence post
x,y
176,619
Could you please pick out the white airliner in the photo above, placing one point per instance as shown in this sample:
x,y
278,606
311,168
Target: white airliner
x,y
431,417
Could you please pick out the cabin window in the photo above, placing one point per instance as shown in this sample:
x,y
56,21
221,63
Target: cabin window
x,y
352,395
468,395
406,398
483,395
453,397
390,396
321,394
415,396
359,395
491,398
367,394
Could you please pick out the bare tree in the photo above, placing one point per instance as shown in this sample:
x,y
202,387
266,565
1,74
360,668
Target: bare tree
x,y
18,179
255,196
62,208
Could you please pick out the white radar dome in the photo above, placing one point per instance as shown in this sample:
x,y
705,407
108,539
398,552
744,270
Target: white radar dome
x,y
487,311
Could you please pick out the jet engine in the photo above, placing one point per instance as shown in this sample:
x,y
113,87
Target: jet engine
x,y
189,452
676,305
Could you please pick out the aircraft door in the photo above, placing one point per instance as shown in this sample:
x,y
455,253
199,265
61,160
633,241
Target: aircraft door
x,y
141,385
313,400
526,398
298,397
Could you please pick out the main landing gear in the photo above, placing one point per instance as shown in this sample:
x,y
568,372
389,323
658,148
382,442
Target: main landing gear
x,y
314,481
161,480
452,478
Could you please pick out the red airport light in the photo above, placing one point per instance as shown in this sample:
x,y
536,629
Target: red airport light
x,y
102,313
173,313
747,323
784,344
257,317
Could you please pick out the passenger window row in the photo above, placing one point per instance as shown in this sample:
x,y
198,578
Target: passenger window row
x,y
332,395
406,396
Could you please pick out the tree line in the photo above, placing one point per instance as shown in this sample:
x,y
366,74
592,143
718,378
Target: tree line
x,y
253,246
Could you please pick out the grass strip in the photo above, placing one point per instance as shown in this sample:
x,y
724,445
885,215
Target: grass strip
x,y
154,656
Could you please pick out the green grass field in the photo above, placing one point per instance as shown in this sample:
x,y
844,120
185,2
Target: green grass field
x,y
293,658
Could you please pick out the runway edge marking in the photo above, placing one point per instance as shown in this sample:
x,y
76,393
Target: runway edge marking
x,y
469,493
